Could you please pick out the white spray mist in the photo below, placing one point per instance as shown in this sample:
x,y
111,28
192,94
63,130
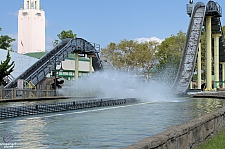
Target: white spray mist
x,y
114,84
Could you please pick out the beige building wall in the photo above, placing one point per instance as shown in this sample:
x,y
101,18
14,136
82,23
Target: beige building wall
x,y
31,27
70,65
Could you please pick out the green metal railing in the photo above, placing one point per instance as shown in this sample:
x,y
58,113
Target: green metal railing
x,y
218,83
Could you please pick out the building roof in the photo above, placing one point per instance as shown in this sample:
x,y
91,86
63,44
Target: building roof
x,y
40,54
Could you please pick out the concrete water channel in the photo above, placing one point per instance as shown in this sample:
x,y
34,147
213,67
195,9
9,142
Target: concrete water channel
x,y
102,127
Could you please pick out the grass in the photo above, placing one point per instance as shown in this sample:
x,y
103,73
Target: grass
x,y
216,142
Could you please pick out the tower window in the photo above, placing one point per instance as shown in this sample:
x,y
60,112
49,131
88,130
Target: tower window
x,y
35,5
38,14
25,13
28,5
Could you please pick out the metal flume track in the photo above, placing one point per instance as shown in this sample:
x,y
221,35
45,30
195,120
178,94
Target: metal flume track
x,y
45,65
190,51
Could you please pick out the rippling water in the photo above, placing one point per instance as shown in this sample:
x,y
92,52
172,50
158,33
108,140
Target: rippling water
x,y
102,128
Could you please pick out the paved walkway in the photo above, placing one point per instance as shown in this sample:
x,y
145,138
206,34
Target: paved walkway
x,y
209,94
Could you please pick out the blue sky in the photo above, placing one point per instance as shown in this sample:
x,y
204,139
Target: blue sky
x,y
105,21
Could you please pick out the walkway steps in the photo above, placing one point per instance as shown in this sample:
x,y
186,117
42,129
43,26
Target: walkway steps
x,y
10,112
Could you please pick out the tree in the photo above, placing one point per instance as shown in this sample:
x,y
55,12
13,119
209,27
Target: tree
x,y
6,69
129,55
5,41
171,48
65,34
169,56
203,54
127,58
223,28
145,57
113,54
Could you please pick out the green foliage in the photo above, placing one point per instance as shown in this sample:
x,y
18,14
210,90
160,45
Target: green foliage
x,y
131,55
161,60
113,54
223,28
169,56
55,42
203,54
170,51
63,35
6,69
217,142
66,34
5,41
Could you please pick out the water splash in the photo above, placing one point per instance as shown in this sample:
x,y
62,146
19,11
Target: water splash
x,y
115,84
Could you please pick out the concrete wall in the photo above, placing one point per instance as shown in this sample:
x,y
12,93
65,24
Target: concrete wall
x,y
187,135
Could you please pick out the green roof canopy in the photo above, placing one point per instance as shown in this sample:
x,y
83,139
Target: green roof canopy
x,y
40,54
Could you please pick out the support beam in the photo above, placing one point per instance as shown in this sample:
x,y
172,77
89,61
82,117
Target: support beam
x,y
208,53
223,73
90,63
191,84
76,66
199,65
216,58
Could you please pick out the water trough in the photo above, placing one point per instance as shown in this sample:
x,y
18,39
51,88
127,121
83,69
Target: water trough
x,y
10,112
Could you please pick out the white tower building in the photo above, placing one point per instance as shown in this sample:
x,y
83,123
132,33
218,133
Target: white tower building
x,y
31,27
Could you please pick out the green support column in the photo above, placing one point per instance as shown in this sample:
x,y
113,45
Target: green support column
x,y
199,65
216,58
76,66
208,54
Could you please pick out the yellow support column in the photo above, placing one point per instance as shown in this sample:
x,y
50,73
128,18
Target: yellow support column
x,y
13,93
76,66
216,58
90,64
208,54
0,93
199,65
191,84
223,73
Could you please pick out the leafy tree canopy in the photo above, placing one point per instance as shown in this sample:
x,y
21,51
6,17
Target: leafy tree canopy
x,y
65,34
6,68
129,55
5,41
169,56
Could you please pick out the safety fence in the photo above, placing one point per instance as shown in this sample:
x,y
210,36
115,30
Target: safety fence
x,y
25,93
10,112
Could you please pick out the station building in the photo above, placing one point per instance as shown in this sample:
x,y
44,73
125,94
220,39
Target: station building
x,y
65,69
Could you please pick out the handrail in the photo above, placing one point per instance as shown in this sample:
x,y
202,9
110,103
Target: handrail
x,y
30,85
41,68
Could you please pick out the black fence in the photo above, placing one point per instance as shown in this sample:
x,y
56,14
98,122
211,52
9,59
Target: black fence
x,y
10,112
